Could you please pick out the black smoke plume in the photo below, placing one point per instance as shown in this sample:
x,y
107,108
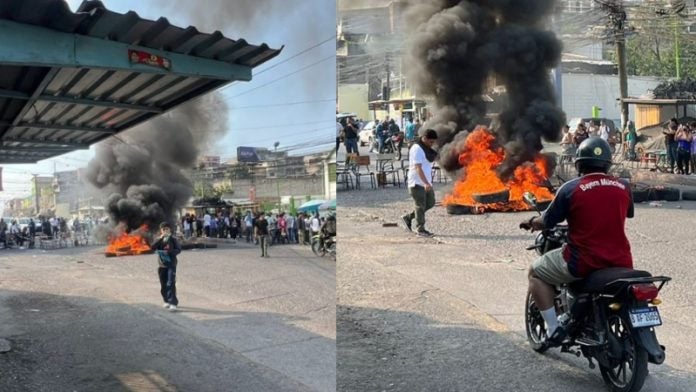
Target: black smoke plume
x,y
458,45
143,169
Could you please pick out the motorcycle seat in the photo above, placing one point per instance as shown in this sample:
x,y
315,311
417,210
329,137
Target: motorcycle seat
x,y
598,280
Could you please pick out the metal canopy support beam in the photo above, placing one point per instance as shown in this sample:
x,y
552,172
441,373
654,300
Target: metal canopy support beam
x,y
51,150
32,99
80,101
66,127
79,146
24,44
9,161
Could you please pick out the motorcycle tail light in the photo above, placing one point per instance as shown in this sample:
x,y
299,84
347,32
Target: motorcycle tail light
x,y
644,291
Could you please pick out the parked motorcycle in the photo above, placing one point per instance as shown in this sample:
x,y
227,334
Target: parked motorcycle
x,y
393,145
322,246
610,317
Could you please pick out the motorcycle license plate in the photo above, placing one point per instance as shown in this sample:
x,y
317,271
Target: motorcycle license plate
x,y
645,317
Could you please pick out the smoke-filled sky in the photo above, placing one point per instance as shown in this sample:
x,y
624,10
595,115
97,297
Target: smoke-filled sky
x,y
456,45
297,24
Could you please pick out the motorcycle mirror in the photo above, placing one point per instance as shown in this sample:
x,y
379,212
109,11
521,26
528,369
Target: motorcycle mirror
x,y
530,199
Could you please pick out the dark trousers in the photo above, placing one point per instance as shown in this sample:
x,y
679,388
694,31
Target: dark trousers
x,y
424,201
338,143
264,244
683,158
167,277
352,146
672,154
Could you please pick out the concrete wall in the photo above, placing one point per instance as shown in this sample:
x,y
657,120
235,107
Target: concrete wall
x,y
353,98
271,187
582,91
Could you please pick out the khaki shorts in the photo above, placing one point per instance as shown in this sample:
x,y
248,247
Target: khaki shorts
x,y
552,268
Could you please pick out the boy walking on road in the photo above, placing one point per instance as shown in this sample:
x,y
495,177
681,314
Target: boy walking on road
x,y
167,247
262,234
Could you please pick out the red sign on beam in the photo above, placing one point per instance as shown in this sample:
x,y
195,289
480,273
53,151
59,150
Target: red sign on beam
x,y
140,57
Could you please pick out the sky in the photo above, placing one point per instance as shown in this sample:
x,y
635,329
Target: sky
x,y
293,103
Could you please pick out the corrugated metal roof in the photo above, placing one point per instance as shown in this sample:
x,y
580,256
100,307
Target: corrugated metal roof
x,y
94,20
50,110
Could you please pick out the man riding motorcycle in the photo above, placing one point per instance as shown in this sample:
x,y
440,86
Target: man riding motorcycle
x,y
596,206
328,230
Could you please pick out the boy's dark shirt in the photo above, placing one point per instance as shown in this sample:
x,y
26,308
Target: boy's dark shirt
x,y
172,248
262,226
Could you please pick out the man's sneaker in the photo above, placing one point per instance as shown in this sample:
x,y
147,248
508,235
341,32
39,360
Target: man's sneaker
x,y
424,233
172,308
557,337
407,222
166,305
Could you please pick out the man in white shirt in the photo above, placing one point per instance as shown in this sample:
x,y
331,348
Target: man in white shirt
x,y
290,221
206,224
420,174
315,224
604,131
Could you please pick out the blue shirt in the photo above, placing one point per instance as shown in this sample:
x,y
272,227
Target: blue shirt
x,y
410,130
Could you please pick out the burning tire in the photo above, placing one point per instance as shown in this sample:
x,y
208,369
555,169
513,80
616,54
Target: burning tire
x,y
492,198
459,209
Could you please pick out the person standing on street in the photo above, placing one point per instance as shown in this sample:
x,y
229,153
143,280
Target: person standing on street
x,y
420,173
339,135
167,247
671,143
307,225
351,138
315,225
631,138
261,227
410,133
290,221
683,138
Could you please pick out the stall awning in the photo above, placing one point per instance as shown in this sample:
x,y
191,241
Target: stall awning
x,y
68,80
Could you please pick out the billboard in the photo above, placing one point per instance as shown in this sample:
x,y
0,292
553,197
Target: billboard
x,y
247,155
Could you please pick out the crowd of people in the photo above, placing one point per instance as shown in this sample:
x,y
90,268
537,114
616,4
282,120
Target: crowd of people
x,y
680,143
573,137
11,233
283,228
347,132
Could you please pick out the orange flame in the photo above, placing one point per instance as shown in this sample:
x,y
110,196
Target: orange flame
x,y
125,244
480,162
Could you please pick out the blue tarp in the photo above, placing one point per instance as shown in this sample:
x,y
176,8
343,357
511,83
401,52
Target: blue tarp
x,y
312,205
329,205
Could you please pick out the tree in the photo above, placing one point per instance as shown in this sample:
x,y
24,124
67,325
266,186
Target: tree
x,y
659,41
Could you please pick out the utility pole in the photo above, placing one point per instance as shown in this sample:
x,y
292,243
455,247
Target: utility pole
x,y
386,93
617,24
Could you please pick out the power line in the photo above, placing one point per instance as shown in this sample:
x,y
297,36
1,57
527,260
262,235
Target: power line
x,y
283,104
333,56
283,125
333,38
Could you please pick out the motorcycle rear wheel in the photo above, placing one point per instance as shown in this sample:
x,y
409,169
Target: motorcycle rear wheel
x,y
332,250
535,326
634,359
318,249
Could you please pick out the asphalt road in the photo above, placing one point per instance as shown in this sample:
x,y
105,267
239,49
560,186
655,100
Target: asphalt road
x,y
78,321
446,314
